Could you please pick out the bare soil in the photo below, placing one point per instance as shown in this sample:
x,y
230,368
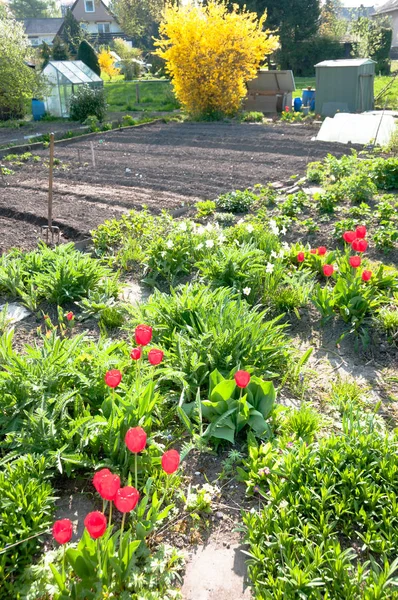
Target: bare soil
x,y
164,166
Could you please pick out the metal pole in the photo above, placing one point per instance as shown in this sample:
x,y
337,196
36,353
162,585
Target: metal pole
x,y
50,184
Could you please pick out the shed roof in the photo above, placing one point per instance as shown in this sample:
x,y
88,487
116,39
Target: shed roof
x,y
74,71
34,26
388,7
349,62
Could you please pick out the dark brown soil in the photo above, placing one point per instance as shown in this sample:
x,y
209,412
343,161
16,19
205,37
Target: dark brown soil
x,y
163,166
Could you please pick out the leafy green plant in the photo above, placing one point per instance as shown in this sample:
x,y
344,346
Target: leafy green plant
x,y
357,188
315,172
236,202
310,225
224,219
294,204
387,321
385,237
93,123
253,117
87,101
205,208
327,200
128,121
300,424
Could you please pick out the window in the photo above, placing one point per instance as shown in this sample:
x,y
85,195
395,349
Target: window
x,y
103,28
35,41
89,5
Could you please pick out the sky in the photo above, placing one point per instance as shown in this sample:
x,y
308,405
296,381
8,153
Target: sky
x,y
357,3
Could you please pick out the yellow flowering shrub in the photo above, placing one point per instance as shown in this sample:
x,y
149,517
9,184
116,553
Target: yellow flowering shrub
x,y
106,63
211,52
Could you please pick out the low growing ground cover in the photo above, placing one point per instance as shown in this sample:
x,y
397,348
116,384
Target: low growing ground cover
x,y
122,395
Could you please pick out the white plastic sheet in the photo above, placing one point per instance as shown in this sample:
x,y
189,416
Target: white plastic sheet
x,y
357,129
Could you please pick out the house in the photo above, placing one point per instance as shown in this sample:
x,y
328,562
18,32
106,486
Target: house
x,y
390,9
97,20
351,13
41,30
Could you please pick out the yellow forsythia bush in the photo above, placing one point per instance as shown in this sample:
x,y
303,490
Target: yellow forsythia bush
x,y
106,63
211,52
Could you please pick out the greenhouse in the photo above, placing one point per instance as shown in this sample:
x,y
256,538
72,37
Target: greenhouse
x,y
64,76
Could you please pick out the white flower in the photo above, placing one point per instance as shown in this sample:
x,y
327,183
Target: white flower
x,y
209,226
283,230
249,228
281,254
163,254
269,268
169,244
285,246
183,226
209,243
273,254
222,239
246,291
273,227
237,242
200,230
240,222
199,247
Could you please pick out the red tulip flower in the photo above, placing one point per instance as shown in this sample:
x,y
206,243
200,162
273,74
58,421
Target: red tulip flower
x,y
355,261
361,231
70,315
328,270
108,486
170,461
95,523
113,378
143,335
349,236
242,378
62,531
126,498
287,109
322,250
366,275
361,245
136,353
155,356
313,251
135,439
98,476
300,257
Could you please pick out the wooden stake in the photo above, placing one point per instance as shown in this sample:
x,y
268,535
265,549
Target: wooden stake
x,y
50,184
137,93
79,156
92,153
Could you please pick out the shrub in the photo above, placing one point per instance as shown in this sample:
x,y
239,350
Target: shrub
x,y
315,172
87,54
384,172
128,121
236,202
106,62
356,188
224,219
253,117
93,123
210,53
205,208
87,101
387,321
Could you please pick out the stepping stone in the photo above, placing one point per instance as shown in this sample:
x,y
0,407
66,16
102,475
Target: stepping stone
x,y
135,293
15,312
214,572
74,507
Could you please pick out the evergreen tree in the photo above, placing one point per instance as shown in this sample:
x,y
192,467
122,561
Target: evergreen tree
x,y
33,9
45,54
59,49
87,54
72,33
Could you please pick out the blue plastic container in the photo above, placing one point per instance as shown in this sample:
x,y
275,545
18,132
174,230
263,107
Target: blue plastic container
x,y
38,109
309,98
297,104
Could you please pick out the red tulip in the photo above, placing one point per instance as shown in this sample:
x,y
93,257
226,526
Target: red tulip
x,y
366,275
355,261
113,378
242,378
354,245
95,523
155,356
361,245
135,439
349,236
62,531
136,353
328,270
322,250
170,461
143,335
70,315
126,498
361,231
98,476
300,257
313,251
108,486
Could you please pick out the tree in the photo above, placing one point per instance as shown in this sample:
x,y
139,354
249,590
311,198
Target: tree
x,y
131,58
331,24
139,18
72,33
87,54
33,9
211,53
59,49
18,82
374,37
106,62
45,54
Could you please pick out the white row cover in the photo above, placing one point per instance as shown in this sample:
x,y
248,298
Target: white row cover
x,y
357,129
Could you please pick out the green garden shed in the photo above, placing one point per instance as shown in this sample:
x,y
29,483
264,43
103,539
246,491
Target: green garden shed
x,y
344,86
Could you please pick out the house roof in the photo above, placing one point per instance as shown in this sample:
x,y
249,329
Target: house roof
x,y
389,6
49,26
349,62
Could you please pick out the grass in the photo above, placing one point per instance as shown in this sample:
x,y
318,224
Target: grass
x,y
153,96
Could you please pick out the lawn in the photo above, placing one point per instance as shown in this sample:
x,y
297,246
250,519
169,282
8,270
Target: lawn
x,y
143,96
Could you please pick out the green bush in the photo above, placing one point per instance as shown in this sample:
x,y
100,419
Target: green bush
x,y
384,172
225,219
128,121
315,172
253,117
236,202
356,188
205,208
87,101
93,123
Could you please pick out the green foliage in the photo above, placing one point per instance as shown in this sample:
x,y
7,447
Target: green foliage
x,y
323,498
87,101
315,172
72,32
294,204
253,117
128,121
387,321
45,54
93,123
224,218
205,208
87,54
374,41
236,202
26,506
301,57
33,9
300,424
356,188
59,50
384,172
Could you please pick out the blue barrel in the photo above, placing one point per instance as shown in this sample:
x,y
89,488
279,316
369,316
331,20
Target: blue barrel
x,y
297,104
38,109
309,98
